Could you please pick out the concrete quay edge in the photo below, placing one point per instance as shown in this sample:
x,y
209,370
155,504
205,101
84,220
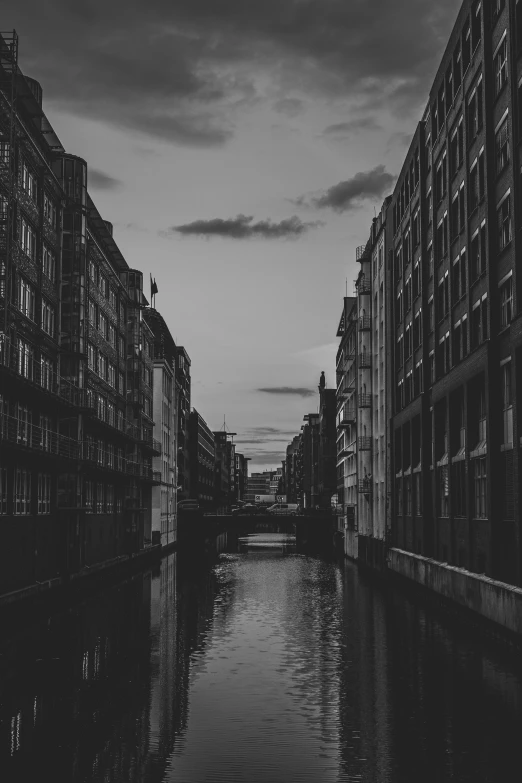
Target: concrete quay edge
x,y
496,602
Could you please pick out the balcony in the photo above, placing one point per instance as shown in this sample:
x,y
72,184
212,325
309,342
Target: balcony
x,y
156,476
22,433
364,444
359,252
347,418
364,486
152,445
364,400
364,323
365,361
363,285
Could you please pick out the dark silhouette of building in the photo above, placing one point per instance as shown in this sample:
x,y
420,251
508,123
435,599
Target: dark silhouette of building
x,y
327,477
184,398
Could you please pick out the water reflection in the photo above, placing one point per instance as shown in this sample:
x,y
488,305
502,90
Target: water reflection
x,y
257,664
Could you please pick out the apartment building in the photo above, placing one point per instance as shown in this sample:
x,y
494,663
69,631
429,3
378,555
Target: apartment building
x,y
202,453
184,402
457,332
75,359
165,414
346,426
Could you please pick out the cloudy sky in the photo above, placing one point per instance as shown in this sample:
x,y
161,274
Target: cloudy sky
x,y
240,149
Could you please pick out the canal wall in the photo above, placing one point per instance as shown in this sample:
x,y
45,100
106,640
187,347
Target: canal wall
x,y
496,602
86,578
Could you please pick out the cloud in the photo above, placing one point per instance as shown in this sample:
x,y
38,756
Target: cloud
x,y
98,180
291,107
298,391
179,71
349,194
352,126
266,457
243,227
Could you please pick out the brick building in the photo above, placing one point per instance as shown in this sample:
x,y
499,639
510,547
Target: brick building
x,y
456,330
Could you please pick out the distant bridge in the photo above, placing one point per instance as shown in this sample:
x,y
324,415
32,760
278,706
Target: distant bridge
x,y
314,534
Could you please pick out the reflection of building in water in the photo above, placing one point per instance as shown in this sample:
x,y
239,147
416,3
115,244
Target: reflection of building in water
x,y
364,692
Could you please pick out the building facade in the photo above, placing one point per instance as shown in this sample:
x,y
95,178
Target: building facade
x,y
184,402
327,475
202,453
165,414
456,304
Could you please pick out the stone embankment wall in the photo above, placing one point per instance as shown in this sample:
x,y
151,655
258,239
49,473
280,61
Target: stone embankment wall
x,y
498,602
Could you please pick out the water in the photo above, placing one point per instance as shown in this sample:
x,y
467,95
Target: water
x,y
261,666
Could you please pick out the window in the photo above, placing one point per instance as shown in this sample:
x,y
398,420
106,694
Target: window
x,y
111,378
501,65
417,494
441,179
121,383
454,217
28,239
398,262
91,311
441,238
407,295
460,339
417,331
466,47
25,359
45,433
475,111
407,342
3,491
26,298
478,252
112,299
444,355
47,318
102,324
103,285
457,67
50,213
22,498
429,260
89,496
429,205
44,493
46,373
476,16
109,506
457,148
24,425
506,302
29,183
459,489
507,403
431,314
399,315
480,488
415,229
417,379
111,334
443,296
479,322
443,493
91,357
473,190
502,146
100,498
504,221
93,272
49,263
416,280
102,366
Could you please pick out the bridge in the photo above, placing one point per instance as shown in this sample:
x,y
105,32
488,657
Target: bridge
x,y
314,534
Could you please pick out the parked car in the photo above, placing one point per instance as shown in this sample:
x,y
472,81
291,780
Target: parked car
x,y
283,509
248,508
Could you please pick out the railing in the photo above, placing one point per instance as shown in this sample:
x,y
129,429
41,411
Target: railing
x,y
365,323
365,360
364,486
364,444
359,252
364,400
347,418
156,476
363,285
23,433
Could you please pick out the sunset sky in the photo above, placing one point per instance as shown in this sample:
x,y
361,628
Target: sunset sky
x,y
240,149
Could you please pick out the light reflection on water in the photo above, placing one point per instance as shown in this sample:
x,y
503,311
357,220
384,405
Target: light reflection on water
x,y
263,665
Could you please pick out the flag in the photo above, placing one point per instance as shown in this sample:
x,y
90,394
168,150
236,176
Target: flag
x,y
153,287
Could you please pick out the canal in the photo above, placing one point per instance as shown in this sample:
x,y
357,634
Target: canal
x,y
255,664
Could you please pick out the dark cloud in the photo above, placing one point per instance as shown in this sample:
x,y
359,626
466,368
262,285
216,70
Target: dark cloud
x,y
271,431
243,227
98,180
267,457
289,106
352,126
179,70
349,194
295,390
259,441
